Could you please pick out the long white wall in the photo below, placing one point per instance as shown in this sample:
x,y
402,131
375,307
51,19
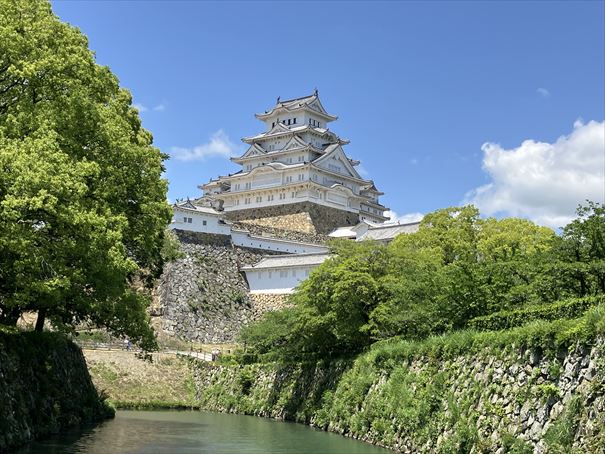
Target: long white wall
x,y
277,280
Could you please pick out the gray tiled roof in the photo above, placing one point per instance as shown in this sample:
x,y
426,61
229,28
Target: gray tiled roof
x,y
283,261
388,232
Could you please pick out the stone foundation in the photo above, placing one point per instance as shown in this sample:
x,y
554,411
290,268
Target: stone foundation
x,y
265,302
188,237
304,217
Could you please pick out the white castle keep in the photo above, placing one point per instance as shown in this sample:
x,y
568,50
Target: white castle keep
x,y
296,163
294,173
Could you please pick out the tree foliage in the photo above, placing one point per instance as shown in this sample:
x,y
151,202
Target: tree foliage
x,y
82,202
455,268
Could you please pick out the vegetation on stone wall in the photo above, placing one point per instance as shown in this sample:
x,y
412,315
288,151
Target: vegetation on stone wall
x,y
455,269
538,385
570,308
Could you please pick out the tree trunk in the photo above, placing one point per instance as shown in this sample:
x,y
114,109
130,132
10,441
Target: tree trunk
x,y
40,319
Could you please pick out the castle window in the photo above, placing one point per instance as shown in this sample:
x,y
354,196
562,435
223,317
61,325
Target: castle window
x,y
204,222
294,121
289,122
283,273
273,125
292,195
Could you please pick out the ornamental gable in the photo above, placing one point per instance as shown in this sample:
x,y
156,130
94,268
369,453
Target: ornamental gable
x,y
254,150
335,160
295,143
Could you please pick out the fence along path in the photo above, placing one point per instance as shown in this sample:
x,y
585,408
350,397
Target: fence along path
x,y
199,353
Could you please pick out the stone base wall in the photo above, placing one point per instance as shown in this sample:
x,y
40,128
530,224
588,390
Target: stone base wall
x,y
265,302
188,237
272,232
295,222
203,296
312,218
499,402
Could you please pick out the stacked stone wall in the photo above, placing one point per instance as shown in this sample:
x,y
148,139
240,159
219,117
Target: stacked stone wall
x,y
511,401
304,217
203,296
273,232
266,302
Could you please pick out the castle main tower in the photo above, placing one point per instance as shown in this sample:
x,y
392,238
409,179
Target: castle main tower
x,y
297,166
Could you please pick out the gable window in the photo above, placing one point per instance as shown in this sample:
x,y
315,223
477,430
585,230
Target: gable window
x,y
289,121
273,125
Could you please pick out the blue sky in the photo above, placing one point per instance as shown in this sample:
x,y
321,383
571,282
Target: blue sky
x,y
419,88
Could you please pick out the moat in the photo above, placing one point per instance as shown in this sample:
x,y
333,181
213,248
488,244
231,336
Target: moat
x,y
197,432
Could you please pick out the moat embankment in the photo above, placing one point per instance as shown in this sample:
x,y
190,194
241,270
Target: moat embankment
x,y
539,388
45,388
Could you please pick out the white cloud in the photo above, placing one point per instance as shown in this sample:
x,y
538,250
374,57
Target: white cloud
x,y
159,108
543,181
404,218
219,145
543,92
140,107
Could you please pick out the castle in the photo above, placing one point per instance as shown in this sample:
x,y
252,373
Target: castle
x,y
298,165
254,235
296,189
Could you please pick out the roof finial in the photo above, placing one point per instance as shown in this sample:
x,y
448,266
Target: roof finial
x,y
278,99
316,92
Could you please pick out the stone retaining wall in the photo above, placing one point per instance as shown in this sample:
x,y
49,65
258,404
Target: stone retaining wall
x,y
497,402
265,302
304,217
203,296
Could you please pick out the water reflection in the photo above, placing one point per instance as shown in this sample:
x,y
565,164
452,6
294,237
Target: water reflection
x,y
170,432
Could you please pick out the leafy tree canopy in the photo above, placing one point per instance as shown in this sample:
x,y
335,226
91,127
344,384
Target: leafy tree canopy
x,y
455,268
82,202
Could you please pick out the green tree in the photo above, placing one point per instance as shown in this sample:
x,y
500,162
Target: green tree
x,y
82,202
582,250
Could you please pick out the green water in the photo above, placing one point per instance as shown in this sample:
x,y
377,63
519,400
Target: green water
x,y
174,432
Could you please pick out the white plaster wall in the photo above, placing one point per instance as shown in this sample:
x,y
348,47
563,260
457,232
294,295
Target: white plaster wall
x,y
277,280
197,223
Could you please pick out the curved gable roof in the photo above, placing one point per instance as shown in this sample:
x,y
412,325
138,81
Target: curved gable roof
x,y
335,151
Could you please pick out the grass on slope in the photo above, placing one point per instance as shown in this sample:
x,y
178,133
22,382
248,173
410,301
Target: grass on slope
x,y
130,382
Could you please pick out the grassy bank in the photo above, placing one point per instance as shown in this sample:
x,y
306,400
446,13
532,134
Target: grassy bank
x,y
131,383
